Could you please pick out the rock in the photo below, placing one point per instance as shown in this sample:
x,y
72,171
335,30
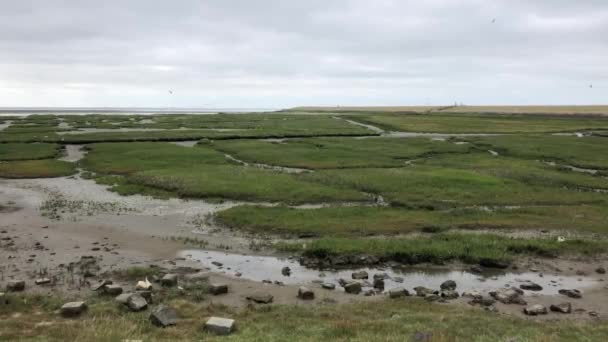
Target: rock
x,y
342,282
562,307
422,291
472,294
123,298
169,280
531,286
100,285
42,281
328,286
360,275
305,293
353,287
218,289
381,276
217,263
571,293
112,289
493,263
370,292
15,286
535,310
72,309
483,301
260,298
476,269
398,292
600,270
431,297
135,302
509,296
593,314
379,284
448,285
398,279
448,294
147,294
163,316
286,271
220,326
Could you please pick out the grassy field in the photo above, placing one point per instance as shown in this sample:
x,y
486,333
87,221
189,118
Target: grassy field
x,y
28,151
385,320
553,110
44,168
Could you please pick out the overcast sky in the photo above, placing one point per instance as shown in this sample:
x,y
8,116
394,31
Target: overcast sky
x,y
278,53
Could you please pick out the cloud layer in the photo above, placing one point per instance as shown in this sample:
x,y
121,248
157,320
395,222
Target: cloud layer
x,y
272,53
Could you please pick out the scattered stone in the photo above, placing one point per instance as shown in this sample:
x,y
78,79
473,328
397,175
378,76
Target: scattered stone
x,y
562,307
360,275
448,285
72,309
220,326
163,316
123,298
112,289
42,281
482,301
381,276
328,286
305,293
422,291
449,294
600,270
352,287
261,298
509,296
15,286
398,292
217,263
431,297
535,310
100,285
218,289
169,280
379,284
286,271
594,314
530,286
135,302
342,282
571,293
147,294
472,294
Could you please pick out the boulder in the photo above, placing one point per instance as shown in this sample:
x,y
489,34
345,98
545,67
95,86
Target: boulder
x,y
398,292
562,307
448,294
379,284
15,286
353,287
218,289
328,286
509,296
360,275
163,316
448,285
422,291
169,280
305,293
135,302
220,326
572,293
286,271
112,289
72,309
535,310
261,298
381,276
42,281
123,298
530,286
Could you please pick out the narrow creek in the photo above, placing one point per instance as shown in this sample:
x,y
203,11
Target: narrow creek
x,y
261,268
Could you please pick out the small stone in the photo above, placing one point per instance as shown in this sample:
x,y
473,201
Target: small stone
x,y
448,285
112,289
220,326
472,294
260,298
509,296
163,316
449,294
305,293
360,275
398,292
73,309
398,279
217,263
147,294
352,287
476,269
100,285
600,270
530,286
570,293
286,271
42,281
15,286
483,301
169,280
594,314
123,298
562,307
135,302
535,310
218,289
328,286
379,284
422,291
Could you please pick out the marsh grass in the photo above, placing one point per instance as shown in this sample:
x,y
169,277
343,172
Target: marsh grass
x,y
11,152
43,168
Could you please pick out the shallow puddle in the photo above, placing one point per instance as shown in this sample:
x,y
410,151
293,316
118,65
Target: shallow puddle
x,y
73,153
259,268
188,143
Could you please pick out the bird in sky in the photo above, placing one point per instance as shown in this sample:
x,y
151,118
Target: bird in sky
x,y
591,86
493,20
171,92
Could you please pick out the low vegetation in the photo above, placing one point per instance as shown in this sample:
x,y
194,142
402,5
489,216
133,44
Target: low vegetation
x,y
44,168
10,152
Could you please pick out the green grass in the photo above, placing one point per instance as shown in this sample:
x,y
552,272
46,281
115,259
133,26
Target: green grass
x,y
446,247
480,123
28,151
365,221
384,320
323,153
44,168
